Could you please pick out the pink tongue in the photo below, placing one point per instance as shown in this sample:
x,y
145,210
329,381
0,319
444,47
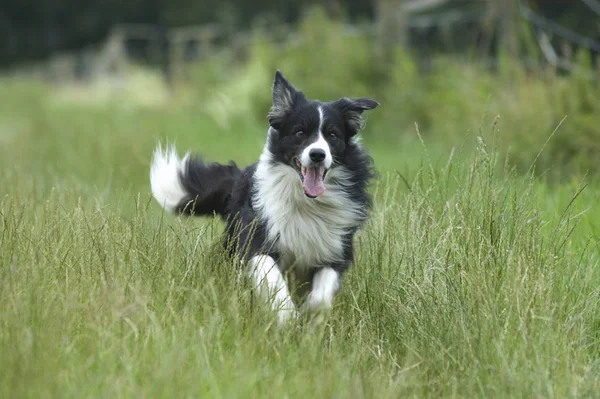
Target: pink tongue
x,y
313,182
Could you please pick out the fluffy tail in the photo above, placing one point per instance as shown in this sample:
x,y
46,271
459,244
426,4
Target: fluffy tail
x,y
190,186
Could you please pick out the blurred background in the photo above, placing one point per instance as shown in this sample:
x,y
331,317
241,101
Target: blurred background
x,y
474,279
111,77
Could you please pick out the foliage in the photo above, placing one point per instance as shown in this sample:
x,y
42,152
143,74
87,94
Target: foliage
x,y
467,283
470,280
450,102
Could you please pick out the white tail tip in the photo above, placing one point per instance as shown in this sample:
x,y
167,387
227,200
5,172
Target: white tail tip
x,y
165,180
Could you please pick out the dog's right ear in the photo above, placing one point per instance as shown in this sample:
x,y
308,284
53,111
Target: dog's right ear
x,y
285,95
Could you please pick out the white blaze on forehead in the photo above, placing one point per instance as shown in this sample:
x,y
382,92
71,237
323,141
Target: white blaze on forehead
x,y
321,143
321,117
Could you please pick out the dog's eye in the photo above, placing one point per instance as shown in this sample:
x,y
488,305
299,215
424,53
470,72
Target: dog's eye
x,y
332,136
299,133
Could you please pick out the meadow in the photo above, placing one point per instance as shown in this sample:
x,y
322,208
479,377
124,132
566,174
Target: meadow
x,y
472,279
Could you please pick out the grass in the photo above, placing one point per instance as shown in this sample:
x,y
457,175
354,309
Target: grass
x,y
467,282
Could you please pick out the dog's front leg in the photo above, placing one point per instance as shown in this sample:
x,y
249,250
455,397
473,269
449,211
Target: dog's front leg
x,y
325,284
269,281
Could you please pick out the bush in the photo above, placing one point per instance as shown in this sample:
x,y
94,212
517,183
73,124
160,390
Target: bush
x,y
453,100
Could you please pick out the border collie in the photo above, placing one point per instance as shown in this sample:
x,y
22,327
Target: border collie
x,y
291,217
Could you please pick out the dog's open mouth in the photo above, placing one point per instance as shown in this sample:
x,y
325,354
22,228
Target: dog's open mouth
x,y
312,179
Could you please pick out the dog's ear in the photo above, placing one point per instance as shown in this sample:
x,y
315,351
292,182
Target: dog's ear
x,y
285,95
352,109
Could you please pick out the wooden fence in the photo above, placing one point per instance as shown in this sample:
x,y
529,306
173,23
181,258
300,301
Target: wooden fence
x,y
173,49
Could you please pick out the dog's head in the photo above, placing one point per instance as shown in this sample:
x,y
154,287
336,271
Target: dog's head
x,y
312,136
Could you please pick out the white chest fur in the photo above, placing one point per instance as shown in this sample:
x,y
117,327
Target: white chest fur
x,y
307,232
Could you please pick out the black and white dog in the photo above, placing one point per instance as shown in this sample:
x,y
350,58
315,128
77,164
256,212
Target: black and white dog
x,y
292,216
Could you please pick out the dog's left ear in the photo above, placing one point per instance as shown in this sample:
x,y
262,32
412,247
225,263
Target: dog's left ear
x,y
353,108
285,95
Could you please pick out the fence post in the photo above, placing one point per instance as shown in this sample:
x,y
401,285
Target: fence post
x,y
113,59
509,39
391,25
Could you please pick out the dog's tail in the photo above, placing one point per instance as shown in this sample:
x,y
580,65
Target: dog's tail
x,y
188,185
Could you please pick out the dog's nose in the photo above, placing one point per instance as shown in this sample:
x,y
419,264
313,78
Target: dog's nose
x,y
317,154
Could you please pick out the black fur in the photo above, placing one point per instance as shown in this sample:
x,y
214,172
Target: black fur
x,y
227,191
295,122
208,187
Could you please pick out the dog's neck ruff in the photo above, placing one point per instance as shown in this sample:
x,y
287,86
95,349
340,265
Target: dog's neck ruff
x,y
307,232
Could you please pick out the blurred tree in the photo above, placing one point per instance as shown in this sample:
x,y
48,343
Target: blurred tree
x,y
33,29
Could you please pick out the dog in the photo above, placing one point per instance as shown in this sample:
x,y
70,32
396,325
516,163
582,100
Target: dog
x,y
291,217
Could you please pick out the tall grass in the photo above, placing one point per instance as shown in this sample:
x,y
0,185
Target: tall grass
x,y
467,282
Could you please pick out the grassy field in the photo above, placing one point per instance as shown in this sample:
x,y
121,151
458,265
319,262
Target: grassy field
x,y
469,281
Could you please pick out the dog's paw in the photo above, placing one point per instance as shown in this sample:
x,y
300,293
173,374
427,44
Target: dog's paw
x,y
315,303
285,314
